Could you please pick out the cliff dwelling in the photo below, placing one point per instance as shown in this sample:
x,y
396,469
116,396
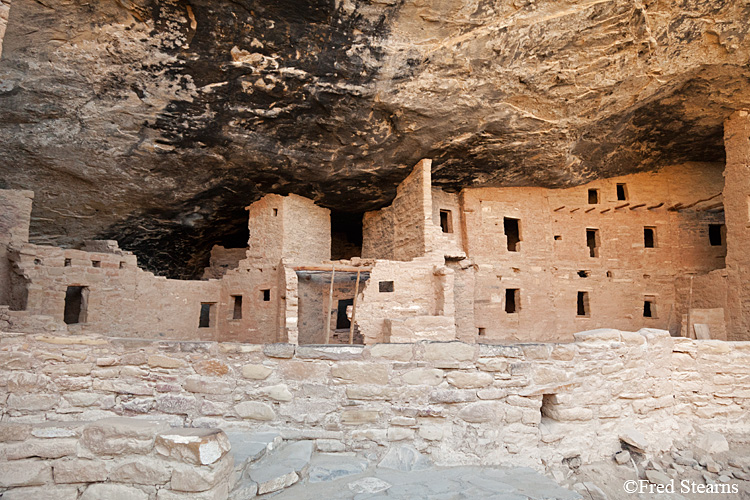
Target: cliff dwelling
x,y
350,249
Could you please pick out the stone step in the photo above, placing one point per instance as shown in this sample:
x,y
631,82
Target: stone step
x,y
282,468
248,447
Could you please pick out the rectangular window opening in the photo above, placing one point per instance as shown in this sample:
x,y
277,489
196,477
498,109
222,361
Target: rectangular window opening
x,y
649,237
512,229
716,233
446,221
582,304
622,192
558,237
584,274
68,263
481,331
96,263
205,317
592,241
265,295
342,321
649,306
76,302
237,307
385,286
512,300
275,212
593,196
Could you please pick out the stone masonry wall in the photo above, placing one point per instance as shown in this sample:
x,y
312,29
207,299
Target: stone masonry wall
x,y
525,404
114,458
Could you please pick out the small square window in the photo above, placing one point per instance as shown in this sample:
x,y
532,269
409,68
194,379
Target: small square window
x,y
558,237
385,286
122,265
275,212
481,331
68,263
96,263
649,237
266,295
622,192
584,274
593,196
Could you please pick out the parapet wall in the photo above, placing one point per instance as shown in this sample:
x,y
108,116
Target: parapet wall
x,y
530,404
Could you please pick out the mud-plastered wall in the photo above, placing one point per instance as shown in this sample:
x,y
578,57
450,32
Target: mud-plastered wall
x,y
4,15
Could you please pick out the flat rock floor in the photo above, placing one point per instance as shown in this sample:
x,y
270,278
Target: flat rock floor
x,y
431,483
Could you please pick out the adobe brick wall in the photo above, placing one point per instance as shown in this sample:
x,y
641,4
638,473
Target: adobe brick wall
x,y
459,403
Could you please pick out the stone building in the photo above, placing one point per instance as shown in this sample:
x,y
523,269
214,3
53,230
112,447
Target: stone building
x,y
491,264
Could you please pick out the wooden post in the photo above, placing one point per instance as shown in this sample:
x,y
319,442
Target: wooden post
x,y
327,324
354,310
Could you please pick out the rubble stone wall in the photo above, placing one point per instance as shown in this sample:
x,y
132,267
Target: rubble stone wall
x,y
526,404
113,458
4,14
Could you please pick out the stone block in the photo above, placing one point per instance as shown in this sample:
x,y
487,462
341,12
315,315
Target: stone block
x,y
253,410
160,361
329,445
395,352
330,352
176,404
277,393
548,375
115,436
32,402
11,431
25,473
48,492
492,364
220,492
147,471
469,380
102,491
207,385
27,382
423,376
285,351
536,351
195,479
449,396
449,354
634,438
501,351
492,393
400,433
358,417
193,446
211,367
42,448
257,372
361,373
371,392
79,471
404,458
482,411
431,432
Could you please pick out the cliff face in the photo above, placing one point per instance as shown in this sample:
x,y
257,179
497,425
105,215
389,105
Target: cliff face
x,y
156,121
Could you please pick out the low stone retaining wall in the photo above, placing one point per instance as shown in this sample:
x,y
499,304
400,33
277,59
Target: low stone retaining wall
x,y
113,459
525,404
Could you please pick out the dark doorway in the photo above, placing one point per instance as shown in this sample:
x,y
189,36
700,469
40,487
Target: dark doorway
x,y
342,322
237,309
346,235
512,300
582,305
76,298
205,317
446,221
716,234
592,241
512,233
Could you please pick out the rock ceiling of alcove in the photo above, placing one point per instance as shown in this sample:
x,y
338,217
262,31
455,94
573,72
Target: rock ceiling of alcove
x,y
155,122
